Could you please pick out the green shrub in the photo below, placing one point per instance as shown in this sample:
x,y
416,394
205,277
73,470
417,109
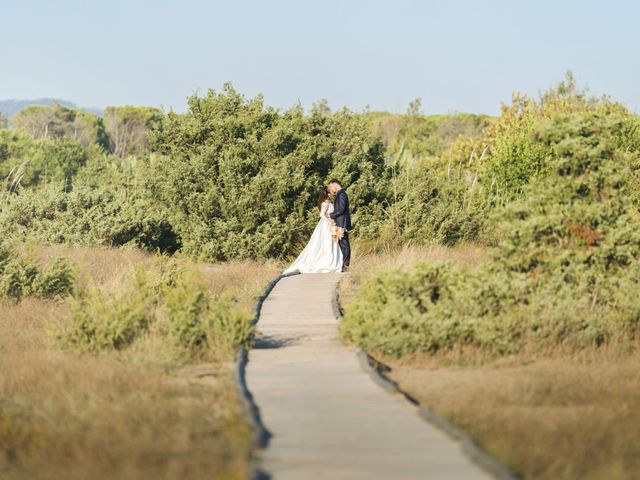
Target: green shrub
x,y
174,305
400,312
229,325
567,256
239,179
87,216
199,322
100,321
186,304
46,159
17,277
56,280
20,276
449,198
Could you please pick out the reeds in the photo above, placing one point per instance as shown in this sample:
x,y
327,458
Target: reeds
x,y
13,180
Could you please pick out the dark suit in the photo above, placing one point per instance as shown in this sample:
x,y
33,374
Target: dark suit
x,y
343,219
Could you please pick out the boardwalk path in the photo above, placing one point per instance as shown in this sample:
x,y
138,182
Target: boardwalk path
x,y
327,418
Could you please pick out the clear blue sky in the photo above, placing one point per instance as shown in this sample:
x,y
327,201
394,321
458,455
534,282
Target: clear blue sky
x,y
464,56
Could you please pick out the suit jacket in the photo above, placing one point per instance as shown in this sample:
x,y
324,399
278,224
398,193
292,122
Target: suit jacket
x,y
341,210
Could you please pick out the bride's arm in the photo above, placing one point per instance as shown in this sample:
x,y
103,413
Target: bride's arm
x,y
325,211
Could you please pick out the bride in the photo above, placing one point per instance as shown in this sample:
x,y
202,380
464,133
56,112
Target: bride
x,y
322,254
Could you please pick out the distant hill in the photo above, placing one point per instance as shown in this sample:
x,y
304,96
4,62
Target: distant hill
x,y
12,106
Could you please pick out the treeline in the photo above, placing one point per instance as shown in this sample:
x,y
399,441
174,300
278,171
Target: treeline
x,y
121,131
231,178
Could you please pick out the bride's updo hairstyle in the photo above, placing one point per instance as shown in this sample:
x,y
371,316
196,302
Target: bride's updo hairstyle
x,y
323,194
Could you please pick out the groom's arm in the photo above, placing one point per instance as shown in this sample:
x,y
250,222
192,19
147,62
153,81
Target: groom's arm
x,y
338,208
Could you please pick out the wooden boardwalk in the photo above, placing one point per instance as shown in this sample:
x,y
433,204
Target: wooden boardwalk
x,y
326,416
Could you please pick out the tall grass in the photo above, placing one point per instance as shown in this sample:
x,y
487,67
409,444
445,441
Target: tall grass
x,y
13,181
175,303
128,398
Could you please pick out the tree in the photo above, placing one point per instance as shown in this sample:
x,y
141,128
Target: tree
x,y
50,159
58,121
241,179
128,128
4,121
415,107
321,107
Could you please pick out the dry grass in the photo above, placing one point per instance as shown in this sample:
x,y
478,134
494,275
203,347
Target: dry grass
x,y
572,417
115,415
552,416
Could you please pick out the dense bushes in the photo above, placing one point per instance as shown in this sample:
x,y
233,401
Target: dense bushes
x,y
60,188
21,276
449,197
551,185
232,178
400,312
563,268
87,216
100,321
240,180
199,321
48,159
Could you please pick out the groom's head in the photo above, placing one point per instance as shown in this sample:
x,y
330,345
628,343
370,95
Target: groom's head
x,y
334,186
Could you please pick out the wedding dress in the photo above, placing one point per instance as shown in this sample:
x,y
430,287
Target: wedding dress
x,y
322,254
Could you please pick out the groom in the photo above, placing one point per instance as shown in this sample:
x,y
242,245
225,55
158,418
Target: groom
x,y
343,219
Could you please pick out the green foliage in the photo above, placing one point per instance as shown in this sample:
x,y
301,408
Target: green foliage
x,y
552,185
198,321
186,304
100,321
240,180
424,135
20,276
448,198
586,210
17,277
174,304
57,279
567,255
58,121
512,155
46,159
235,179
87,216
400,312
431,204
434,195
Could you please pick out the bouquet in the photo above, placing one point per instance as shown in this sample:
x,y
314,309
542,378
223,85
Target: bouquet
x,y
336,232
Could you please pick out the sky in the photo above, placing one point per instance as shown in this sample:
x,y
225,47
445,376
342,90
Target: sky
x,y
456,55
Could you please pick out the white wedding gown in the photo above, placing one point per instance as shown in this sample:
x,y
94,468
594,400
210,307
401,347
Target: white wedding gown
x,y
322,254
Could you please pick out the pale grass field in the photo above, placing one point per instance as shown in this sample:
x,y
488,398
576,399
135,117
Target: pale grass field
x,y
551,416
116,415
